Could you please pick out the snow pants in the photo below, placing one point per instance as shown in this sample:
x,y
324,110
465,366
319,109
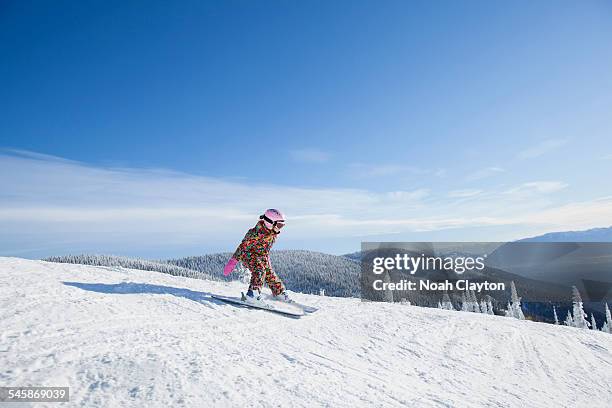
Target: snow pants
x,y
260,267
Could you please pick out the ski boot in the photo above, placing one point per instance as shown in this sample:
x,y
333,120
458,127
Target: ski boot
x,y
283,297
252,297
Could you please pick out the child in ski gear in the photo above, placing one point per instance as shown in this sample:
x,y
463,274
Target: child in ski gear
x,y
254,253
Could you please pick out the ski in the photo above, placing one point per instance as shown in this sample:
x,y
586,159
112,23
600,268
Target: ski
x,y
307,309
287,311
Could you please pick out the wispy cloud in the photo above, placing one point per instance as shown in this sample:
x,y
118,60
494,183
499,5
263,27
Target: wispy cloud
x,y
484,173
541,148
465,193
407,196
49,202
385,170
606,157
539,187
310,155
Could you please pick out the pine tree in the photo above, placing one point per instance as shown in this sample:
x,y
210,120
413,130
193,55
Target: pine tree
x,y
483,307
509,310
388,293
555,314
470,301
569,320
474,302
446,302
490,307
465,307
517,311
514,305
579,317
593,322
607,326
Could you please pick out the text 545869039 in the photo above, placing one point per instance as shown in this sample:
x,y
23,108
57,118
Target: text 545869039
x,y
34,394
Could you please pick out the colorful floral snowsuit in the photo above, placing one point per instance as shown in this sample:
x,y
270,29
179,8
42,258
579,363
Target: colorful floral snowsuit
x,y
254,253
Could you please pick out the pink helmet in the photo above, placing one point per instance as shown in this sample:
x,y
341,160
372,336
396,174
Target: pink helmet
x,y
273,219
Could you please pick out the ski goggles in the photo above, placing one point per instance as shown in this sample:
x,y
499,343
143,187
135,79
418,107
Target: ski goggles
x,y
278,224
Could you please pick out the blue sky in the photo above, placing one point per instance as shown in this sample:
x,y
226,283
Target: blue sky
x,y
163,129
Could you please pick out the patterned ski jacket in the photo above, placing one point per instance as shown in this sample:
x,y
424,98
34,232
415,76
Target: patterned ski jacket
x,y
256,244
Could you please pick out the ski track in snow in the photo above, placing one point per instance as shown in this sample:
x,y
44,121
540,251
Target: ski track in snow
x,y
122,337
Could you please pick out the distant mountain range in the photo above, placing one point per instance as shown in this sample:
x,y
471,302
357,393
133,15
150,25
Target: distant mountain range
x,y
590,235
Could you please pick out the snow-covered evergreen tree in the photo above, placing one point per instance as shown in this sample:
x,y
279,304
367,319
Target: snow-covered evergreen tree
x,y
465,307
490,307
469,302
555,314
509,310
516,302
474,302
607,326
579,318
514,305
569,320
593,322
446,302
388,293
483,306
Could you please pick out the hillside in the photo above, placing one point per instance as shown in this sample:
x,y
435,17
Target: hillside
x,y
121,337
301,271
112,261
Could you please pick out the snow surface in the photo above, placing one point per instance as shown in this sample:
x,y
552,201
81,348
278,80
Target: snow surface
x,y
122,337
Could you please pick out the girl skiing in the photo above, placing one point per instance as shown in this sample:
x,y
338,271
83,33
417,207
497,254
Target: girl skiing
x,y
254,253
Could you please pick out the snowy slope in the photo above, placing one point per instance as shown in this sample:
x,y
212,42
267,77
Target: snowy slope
x,y
122,337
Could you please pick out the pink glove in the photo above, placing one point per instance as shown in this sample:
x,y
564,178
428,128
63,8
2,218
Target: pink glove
x,y
231,264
